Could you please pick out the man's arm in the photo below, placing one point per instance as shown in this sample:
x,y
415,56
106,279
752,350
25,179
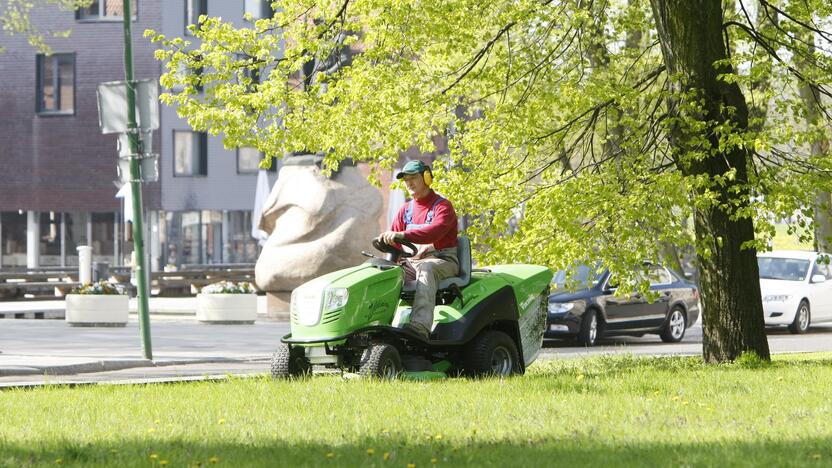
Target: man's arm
x,y
395,233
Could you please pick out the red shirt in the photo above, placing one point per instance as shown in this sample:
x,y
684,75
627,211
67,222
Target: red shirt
x,y
442,230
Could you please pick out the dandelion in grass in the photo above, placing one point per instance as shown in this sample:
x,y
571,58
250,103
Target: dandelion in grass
x,y
157,421
221,421
214,459
411,465
438,437
371,451
113,450
330,455
579,377
154,456
151,430
815,456
386,455
59,461
163,462
434,461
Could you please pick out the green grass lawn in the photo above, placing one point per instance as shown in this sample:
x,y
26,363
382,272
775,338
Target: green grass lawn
x,y
609,411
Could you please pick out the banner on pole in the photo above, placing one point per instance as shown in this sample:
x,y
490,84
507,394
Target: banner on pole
x,y
112,106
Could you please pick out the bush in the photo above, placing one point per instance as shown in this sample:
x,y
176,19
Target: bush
x,y
229,287
101,288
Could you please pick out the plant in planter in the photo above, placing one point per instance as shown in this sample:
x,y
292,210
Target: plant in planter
x,y
100,304
227,302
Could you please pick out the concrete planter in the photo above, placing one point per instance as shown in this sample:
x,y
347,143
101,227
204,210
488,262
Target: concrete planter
x,y
97,310
226,308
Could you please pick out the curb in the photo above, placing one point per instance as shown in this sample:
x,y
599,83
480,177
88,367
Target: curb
x,y
112,365
139,381
49,314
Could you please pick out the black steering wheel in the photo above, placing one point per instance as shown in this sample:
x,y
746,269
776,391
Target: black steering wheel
x,y
399,253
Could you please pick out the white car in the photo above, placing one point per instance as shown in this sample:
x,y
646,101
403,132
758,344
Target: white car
x,y
796,288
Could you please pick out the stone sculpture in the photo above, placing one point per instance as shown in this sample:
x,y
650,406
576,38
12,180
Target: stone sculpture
x,y
316,225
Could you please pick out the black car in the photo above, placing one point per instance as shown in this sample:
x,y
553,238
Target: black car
x,y
594,311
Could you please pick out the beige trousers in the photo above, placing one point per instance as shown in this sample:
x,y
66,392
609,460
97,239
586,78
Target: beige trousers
x,y
428,272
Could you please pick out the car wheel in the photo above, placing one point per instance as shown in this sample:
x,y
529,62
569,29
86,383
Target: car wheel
x,y
289,362
802,318
491,353
675,326
382,361
588,333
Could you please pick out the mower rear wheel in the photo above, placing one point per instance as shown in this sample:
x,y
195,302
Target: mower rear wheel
x,y
289,362
491,353
382,361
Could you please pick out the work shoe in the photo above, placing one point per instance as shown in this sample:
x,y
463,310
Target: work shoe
x,y
417,330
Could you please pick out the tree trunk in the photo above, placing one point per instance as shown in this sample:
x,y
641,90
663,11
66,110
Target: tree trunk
x,y
690,32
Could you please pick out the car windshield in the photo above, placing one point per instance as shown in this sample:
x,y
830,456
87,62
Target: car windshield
x,y
786,269
579,277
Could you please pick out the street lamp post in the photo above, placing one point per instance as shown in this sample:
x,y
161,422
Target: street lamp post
x,y
135,185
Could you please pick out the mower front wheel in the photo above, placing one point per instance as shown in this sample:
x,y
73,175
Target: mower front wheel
x,y
382,361
491,353
289,362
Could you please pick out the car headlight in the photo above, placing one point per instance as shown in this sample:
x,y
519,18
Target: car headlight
x,y
306,304
335,298
560,307
777,298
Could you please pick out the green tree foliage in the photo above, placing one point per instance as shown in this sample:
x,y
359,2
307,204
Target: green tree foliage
x,y
15,18
558,114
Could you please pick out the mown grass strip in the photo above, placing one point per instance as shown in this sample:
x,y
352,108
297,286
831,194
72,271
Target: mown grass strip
x,y
621,410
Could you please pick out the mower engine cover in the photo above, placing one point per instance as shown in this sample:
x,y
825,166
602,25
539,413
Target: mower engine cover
x,y
343,301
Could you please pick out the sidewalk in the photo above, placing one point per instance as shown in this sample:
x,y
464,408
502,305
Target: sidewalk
x,y
36,352
162,306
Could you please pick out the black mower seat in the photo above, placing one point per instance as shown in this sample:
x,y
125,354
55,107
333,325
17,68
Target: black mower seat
x,y
463,253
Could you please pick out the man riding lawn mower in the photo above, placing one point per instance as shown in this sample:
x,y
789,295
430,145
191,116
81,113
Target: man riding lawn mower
x,y
421,312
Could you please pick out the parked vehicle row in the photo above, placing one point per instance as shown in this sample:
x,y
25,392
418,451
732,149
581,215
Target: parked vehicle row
x,y
796,288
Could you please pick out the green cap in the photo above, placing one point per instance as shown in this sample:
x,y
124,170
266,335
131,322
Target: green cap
x,y
412,167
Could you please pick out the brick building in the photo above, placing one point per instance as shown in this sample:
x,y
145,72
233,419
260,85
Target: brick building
x,y
58,179
57,183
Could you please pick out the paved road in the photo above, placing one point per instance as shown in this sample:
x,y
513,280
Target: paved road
x,y
780,340
185,349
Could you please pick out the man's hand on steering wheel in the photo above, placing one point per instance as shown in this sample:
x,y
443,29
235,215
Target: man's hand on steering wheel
x,y
382,245
391,237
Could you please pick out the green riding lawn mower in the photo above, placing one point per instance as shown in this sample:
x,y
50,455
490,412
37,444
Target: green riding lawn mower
x,y
488,321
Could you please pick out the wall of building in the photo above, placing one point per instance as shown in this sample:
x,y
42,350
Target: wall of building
x,y
63,163
222,188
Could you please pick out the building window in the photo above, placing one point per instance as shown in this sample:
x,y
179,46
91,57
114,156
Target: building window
x,y
248,161
258,9
55,78
193,9
13,239
106,10
242,247
190,153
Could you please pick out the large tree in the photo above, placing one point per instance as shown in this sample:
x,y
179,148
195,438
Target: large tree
x,y
578,130
700,103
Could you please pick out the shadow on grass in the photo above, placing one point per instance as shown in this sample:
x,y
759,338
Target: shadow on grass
x,y
580,450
